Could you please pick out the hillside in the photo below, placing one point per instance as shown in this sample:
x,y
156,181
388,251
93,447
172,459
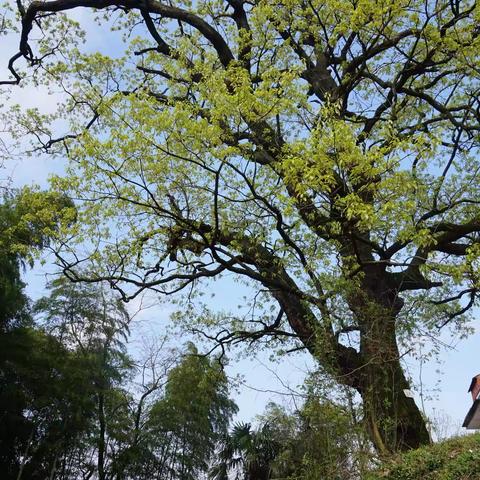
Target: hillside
x,y
454,459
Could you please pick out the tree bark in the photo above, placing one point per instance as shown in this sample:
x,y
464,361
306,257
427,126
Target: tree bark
x,y
101,438
393,420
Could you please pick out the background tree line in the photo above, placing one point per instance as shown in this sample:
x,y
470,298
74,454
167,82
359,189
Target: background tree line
x,y
69,408
74,404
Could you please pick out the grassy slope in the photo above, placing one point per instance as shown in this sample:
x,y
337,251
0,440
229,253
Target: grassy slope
x,y
454,459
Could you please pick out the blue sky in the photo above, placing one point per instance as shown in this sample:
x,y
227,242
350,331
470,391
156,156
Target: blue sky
x,y
451,377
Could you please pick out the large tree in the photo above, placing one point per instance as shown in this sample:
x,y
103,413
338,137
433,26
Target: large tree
x,y
94,325
326,151
184,424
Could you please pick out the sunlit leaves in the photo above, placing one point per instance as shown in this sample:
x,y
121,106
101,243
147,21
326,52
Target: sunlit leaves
x,y
337,135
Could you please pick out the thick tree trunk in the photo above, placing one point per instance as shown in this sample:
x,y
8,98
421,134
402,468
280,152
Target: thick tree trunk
x,y
373,368
393,419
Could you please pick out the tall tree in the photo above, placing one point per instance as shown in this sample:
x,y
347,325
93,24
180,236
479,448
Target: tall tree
x,y
94,324
184,425
326,151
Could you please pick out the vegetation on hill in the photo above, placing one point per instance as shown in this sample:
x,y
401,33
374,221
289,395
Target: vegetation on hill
x,y
454,459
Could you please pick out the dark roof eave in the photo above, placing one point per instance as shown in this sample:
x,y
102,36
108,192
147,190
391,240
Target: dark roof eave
x,y
472,383
471,413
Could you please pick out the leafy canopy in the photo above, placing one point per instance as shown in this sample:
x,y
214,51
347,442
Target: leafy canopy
x,y
268,134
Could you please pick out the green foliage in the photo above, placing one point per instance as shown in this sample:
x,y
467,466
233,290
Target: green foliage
x,y
87,317
28,220
191,416
93,324
247,454
13,302
320,440
454,459
67,406
43,386
45,402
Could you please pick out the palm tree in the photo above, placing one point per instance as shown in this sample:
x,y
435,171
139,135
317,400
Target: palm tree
x,y
246,453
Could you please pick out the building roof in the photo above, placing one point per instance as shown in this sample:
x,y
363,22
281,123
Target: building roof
x,y
475,387
475,379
